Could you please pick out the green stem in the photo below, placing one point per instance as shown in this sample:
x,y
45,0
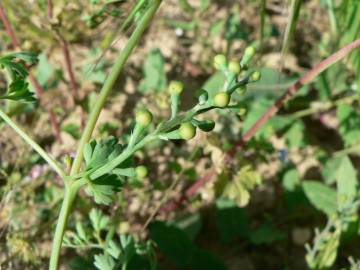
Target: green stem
x,y
69,197
33,144
110,82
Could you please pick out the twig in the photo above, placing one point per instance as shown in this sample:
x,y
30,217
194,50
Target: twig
x,y
290,92
38,89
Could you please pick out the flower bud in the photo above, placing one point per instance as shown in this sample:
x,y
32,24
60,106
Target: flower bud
x,y
187,131
255,76
203,97
143,117
222,99
248,54
250,51
175,87
234,67
219,61
141,171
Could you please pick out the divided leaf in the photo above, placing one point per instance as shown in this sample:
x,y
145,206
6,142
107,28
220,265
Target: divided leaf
x,y
18,88
104,262
96,155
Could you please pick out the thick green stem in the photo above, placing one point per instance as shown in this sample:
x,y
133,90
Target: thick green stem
x,y
110,82
69,197
33,144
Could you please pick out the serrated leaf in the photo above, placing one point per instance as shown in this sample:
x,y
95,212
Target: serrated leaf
x,y
103,188
321,196
104,262
114,249
99,153
80,230
98,220
18,89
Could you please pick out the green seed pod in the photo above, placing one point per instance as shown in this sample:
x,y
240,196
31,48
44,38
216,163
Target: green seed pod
x,y
255,76
143,117
175,87
141,171
234,67
222,99
219,61
187,131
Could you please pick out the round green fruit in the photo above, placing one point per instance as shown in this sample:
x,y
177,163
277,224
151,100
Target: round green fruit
x,y
141,171
219,61
143,118
175,87
234,67
187,131
222,99
255,76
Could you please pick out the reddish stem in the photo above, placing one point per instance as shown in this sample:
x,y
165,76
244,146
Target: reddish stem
x,y
290,92
38,89
66,52
49,9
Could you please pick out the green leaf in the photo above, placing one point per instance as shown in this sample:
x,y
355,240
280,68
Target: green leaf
x,y
104,187
321,196
14,64
231,221
203,259
173,242
349,124
154,72
190,223
330,169
346,179
98,220
266,234
45,71
104,262
80,230
19,91
291,180
97,154
295,135
73,130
